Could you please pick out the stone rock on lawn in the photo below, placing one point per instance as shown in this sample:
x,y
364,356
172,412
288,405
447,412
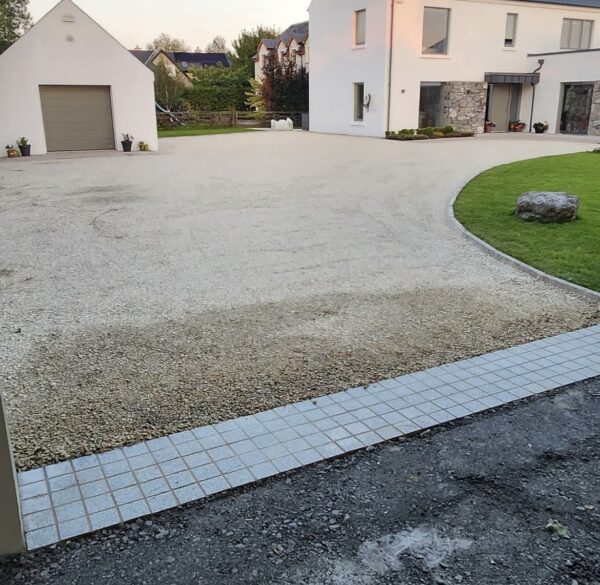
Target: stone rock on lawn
x,y
548,206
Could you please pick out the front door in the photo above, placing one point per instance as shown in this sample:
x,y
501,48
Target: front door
x,y
500,107
576,109
503,106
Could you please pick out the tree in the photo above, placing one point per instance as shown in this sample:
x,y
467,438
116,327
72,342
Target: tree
x,y
217,45
254,96
246,45
218,89
285,85
14,21
167,43
168,90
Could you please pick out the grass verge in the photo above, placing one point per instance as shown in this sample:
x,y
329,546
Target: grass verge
x,y
200,131
570,251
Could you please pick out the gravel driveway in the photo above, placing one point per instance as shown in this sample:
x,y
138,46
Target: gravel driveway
x,y
147,294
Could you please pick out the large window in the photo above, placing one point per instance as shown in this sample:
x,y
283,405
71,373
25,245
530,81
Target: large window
x,y
359,102
360,27
435,31
576,34
430,105
510,36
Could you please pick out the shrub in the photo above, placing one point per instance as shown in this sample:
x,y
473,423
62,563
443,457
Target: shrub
x,y
448,129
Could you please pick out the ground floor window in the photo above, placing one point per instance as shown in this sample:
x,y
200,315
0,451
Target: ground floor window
x,y
359,101
430,105
576,108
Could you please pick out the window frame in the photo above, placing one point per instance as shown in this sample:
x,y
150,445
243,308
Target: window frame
x,y
356,21
446,51
511,43
358,115
566,37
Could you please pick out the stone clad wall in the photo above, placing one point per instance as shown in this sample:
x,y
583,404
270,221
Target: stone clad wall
x,y
594,127
463,105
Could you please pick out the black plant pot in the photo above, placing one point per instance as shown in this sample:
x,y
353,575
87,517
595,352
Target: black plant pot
x,y
539,130
126,145
25,149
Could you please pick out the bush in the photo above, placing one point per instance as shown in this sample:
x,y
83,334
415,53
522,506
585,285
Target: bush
x,y
427,133
218,89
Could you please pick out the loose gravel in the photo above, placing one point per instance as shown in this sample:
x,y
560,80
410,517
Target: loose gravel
x,y
147,295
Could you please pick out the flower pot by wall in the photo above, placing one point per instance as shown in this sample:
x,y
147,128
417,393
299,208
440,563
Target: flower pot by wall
x,y
25,149
126,145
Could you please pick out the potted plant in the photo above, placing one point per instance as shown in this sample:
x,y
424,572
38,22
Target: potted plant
x,y
24,146
127,142
11,151
488,126
540,127
143,146
516,126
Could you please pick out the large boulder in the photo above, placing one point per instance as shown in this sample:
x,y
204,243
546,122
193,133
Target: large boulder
x,y
548,206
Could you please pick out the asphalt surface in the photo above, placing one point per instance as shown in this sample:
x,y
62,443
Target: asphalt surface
x,y
507,497
148,294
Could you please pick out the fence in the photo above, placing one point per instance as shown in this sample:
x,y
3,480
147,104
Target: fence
x,y
238,119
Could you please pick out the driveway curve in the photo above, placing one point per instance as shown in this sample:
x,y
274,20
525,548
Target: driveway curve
x,y
147,294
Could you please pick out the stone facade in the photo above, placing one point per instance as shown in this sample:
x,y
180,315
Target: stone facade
x,y
594,127
463,105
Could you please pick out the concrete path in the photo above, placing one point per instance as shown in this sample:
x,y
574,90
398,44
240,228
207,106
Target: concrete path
x,y
468,505
227,275
71,498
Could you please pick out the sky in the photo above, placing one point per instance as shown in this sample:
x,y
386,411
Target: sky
x,y
137,22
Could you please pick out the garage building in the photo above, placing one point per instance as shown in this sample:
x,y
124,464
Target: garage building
x,y
69,85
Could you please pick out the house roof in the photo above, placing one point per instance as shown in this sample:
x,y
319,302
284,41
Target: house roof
x,y
198,59
269,43
299,31
143,56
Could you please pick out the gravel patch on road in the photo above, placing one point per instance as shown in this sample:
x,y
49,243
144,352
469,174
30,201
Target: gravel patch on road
x,y
105,387
147,295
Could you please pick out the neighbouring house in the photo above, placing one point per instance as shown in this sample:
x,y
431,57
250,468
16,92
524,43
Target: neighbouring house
x,y
67,84
379,65
294,43
182,64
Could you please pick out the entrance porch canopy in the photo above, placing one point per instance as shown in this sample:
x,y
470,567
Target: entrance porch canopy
x,y
523,78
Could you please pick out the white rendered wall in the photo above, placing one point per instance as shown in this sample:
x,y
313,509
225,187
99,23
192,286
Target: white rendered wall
x,y
559,69
476,47
44,56
336,64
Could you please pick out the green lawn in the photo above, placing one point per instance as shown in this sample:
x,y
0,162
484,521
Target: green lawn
x,y
570,251
205,131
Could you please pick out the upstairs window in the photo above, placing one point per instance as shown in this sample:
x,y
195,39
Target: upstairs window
x,y
576,34
435,31
360,28
510,36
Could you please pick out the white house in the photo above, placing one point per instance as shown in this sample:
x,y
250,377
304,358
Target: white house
x,y
379,65
68,85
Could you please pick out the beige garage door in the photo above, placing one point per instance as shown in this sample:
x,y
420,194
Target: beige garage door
x,y
77,117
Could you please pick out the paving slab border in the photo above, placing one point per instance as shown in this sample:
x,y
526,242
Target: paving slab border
x,y
489,249
72,498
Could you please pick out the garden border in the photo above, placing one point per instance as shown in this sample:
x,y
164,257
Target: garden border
x,y
494,252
